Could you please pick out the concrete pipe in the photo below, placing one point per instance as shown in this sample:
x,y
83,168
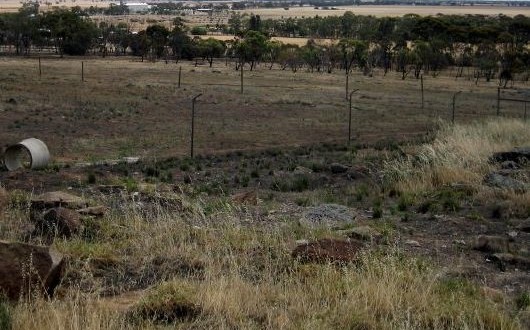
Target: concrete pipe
x,y
29,153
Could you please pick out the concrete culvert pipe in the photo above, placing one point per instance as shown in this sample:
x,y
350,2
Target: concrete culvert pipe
x,y
29,153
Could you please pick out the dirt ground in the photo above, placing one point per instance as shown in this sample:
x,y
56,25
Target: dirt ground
x,y
129,108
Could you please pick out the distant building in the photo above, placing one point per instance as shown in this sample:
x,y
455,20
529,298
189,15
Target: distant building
x,y
138,7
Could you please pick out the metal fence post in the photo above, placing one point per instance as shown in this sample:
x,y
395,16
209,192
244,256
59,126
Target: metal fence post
x,y
193,122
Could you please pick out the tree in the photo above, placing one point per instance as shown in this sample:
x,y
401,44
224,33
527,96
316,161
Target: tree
x,y
210,48
353,53
73,34
180,42
157,38
254,23
252,48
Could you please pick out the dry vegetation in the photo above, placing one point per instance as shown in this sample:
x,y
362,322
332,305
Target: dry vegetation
x,y
177,251
459,154
394,11
127,108
248,280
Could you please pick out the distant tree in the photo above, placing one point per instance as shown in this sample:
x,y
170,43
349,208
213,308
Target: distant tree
x,y
157,39
180,42
353,53
210,48
254,23
252,48
73,34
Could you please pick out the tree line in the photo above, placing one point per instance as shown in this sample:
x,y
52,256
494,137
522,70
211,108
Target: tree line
x,y
489,47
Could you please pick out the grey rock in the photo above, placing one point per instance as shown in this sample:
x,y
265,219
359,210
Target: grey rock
x,y
504,182
509,165
523,226
97,211
493,244
330,215
337,168
363,233
504,259
302,170
516,155
57,199
412,242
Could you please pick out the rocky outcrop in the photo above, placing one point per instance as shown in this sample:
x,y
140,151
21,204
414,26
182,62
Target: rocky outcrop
x,y
57,199
329,215
26,268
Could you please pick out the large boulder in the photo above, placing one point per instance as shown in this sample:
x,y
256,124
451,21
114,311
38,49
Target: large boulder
x,y
58,221
26,268
57,199
328,251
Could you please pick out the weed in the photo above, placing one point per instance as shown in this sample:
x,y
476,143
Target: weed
x,y
377,209
405,201
361,192
296,183
303,201
523,300
130,184
91,178
5,314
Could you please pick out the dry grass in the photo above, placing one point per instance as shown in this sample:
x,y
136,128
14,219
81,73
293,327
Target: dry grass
x,y
126,107
250,281
383,11
458,154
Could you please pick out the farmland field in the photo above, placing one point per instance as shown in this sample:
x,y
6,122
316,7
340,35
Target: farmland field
x,y
126,107
381,11
278,220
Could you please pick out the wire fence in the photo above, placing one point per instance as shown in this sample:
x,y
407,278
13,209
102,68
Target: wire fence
x,y
99,108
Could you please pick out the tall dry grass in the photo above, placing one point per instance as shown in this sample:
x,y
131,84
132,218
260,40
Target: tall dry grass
x,y
250,281
459,154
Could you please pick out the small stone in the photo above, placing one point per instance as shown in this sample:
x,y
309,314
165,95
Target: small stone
x,y
363,233
97,211
504,259
491,244
302,170
509,165
249,197
504,182
302,242
512,234
413,243
337,168
524,226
